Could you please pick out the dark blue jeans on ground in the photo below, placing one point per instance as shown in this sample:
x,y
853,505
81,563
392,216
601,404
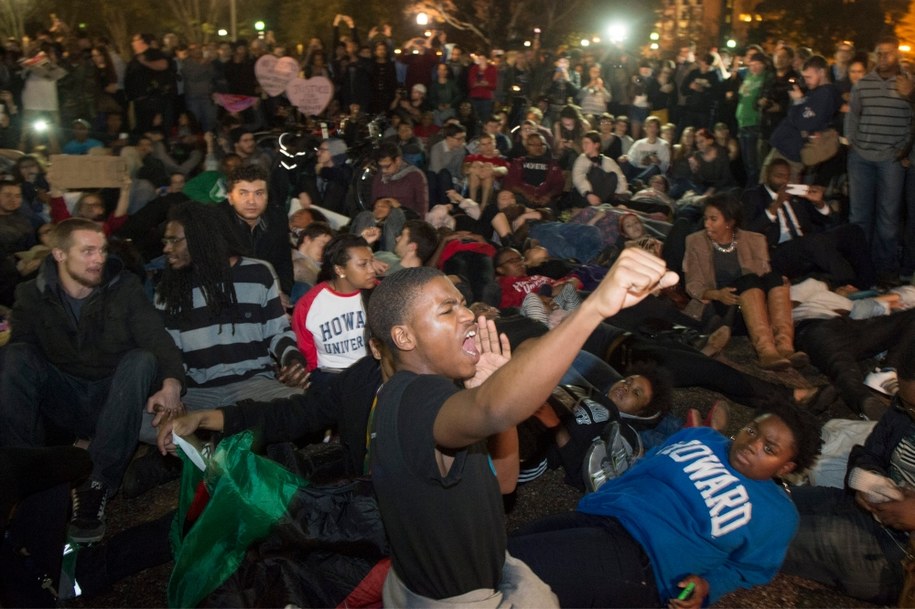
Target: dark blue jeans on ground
x,y
841,545
568,240
588,561
108,411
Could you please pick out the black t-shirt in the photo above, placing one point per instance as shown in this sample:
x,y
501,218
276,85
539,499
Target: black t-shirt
x,y
447,533
534,169
140,81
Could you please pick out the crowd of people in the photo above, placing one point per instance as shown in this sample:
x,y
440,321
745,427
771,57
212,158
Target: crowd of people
x,y
469,268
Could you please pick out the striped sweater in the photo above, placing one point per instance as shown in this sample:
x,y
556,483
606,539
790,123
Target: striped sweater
x,y
244,340
877,123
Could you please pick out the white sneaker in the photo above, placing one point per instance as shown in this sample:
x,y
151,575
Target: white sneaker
x,y
883,380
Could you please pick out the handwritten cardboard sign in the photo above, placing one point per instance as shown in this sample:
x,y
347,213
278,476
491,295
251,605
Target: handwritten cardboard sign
x,y
86,171
310,95
274,73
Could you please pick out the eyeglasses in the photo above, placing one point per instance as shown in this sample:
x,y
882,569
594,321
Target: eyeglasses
x,y
172,240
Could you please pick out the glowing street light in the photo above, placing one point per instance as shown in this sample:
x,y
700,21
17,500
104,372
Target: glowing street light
x,y
905,48
222,31
616,32
259,26
527,43
585,42
422,19
731,43
654,36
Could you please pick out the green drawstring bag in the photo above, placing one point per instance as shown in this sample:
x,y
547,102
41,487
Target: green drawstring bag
x,y
248,495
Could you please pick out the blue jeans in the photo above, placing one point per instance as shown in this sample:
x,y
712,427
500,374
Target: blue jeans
x,y
567,240
107,410
588,370
262,388
875,190
588,561
841,545
749,152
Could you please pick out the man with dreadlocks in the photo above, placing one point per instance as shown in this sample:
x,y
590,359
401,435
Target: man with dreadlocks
x,y
223,311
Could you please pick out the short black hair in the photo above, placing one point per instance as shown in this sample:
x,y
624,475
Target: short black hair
x,y
313,231
816,62
245,173
8,180
804,427
888,40
662,387
391,302
777,162
236,134
592,135
451,130
424,236
501,253
729,206
387,150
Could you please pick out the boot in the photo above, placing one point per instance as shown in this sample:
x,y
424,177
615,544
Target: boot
x,y
783,326
756,318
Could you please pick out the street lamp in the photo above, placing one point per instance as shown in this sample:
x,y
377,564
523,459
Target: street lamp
x,y
422,19
616,32
223,32
259,28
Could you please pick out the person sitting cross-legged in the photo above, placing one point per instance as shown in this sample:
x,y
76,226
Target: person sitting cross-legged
x,y
87,349
223,311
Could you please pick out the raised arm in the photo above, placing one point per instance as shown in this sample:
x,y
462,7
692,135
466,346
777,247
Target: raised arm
x,y
518,388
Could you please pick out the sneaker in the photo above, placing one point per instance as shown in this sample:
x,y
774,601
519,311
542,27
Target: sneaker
x,y
883,380
88,523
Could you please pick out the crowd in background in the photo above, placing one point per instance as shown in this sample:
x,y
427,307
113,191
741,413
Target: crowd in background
x,y
777,182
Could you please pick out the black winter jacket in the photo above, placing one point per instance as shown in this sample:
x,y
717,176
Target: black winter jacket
x,y
115,319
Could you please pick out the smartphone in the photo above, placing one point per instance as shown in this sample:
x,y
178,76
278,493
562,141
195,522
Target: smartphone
x,y
797,189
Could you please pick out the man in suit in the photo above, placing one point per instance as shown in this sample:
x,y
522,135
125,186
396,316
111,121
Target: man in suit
x,y
803,234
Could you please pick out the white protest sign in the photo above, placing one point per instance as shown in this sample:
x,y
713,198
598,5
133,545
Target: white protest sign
x,y
274,73
310,95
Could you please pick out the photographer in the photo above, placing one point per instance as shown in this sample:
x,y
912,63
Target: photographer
x,y
812,111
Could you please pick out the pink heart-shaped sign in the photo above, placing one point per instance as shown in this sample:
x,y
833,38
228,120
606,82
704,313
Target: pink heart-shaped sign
x,y
274,73
310,95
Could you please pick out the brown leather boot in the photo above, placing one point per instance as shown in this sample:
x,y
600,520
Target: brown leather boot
x,y
779,301
756,317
